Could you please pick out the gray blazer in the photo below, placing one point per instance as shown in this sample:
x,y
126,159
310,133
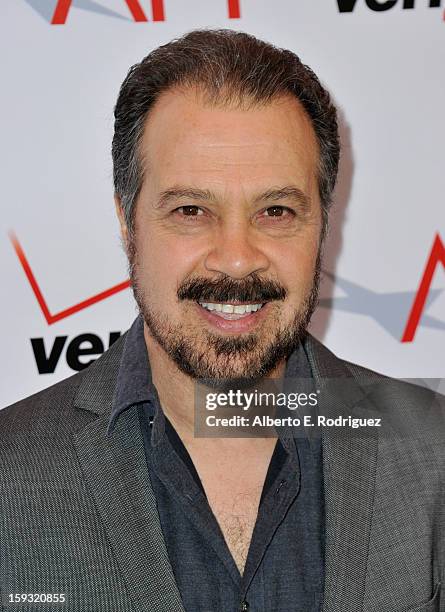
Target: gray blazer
x,y
79,518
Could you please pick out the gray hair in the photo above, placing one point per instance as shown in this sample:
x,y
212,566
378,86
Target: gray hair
x,y
231,68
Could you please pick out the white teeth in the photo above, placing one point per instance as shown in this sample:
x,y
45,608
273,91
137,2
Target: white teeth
x,y
231,308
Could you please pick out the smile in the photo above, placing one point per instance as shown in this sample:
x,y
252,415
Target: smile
x,y
232,317
224,309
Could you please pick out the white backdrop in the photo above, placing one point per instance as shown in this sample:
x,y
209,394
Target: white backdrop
x,y
384,63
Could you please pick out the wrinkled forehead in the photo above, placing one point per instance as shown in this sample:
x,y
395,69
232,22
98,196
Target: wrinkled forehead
x,y
188,134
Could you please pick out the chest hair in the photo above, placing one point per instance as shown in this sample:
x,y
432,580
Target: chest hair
x,y
236,513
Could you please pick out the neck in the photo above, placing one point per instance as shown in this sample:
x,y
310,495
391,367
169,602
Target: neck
x,y
176,390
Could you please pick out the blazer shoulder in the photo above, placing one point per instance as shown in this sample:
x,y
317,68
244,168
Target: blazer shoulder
x,y
335,366
38,405
359,371
415,388
414,411
413,402
326,363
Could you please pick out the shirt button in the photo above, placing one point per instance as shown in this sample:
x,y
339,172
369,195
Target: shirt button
x,y
244,606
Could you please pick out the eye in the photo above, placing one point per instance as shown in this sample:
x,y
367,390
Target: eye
x,y
189,211
278,211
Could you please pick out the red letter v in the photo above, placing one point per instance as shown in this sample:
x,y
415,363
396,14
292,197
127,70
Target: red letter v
x,y
437,255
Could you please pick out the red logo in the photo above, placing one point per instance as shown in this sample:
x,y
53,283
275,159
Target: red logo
x,y
137,12
437,256
67,312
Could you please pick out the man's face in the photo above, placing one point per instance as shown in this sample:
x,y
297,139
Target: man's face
x,y
225,254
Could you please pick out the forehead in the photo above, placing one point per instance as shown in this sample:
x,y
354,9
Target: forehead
x,y
188,139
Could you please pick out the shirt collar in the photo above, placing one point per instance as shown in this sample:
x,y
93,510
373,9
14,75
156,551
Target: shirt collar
x,y
134,384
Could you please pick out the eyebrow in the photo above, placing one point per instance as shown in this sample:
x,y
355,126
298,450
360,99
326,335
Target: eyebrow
x,y
289,192
177,193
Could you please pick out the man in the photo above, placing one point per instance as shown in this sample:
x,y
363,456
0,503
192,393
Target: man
x,y
225,158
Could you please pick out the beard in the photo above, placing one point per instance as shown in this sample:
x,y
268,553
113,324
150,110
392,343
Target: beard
x,y
223,361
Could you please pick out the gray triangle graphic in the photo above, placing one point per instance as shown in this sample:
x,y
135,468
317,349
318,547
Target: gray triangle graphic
x,y
389,309
95,7
46,8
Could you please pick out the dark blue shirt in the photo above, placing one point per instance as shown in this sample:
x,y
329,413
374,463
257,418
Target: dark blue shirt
x,y
284,569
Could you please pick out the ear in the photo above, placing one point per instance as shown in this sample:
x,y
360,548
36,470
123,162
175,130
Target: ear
x,y
122,221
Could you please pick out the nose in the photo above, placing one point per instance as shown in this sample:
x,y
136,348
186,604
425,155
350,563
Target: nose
x,y
236,251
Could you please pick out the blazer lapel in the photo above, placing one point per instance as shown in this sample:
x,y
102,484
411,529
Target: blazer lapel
x,y
116,472
349,469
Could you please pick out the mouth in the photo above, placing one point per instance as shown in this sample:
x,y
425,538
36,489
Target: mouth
x,y
234,317
231,311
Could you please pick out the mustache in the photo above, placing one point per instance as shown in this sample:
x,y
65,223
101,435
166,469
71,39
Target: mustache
x,y
226,289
